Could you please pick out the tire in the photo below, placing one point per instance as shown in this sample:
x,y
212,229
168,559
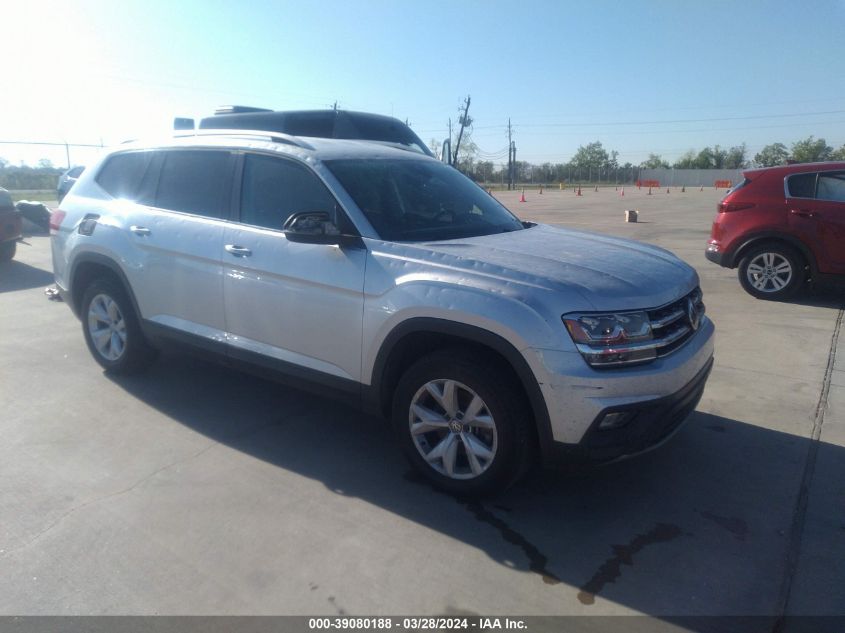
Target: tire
x,y
458,457
7,250
773,271
111,329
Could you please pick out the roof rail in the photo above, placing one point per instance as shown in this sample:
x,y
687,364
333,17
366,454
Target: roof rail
x,y
275,137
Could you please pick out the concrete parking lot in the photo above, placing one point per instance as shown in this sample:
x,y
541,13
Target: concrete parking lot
x,y
193,489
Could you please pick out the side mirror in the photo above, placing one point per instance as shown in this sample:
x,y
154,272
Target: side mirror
x,y
311,227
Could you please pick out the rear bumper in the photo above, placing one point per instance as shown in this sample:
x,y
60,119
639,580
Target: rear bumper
x,y
649,424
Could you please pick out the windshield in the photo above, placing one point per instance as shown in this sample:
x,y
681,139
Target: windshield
x,y
421,200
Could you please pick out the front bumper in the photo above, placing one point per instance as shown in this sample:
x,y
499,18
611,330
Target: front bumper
x,y
650,423
715,256
657,396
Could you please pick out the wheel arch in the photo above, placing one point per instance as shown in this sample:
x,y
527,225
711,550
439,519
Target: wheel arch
x,y
90,266
421,335
774,237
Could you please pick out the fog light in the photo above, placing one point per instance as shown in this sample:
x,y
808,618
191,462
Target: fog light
x,y
615,420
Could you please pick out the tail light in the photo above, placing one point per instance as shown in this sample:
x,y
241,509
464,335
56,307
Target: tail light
x,y
727,207
56,219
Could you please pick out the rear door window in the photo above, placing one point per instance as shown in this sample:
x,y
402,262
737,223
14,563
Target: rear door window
x,y
831,186
196,181
802,185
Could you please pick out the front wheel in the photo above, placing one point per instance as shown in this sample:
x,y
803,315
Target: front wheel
x,y
111,329
772,271
462,424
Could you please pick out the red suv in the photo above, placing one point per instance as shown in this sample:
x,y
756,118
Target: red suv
x,y
782,226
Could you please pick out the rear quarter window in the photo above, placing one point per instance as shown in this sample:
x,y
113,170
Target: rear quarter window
x,y
124,174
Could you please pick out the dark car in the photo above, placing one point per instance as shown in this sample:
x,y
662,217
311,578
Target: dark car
x,y
11,226
781,227
342,124
66,181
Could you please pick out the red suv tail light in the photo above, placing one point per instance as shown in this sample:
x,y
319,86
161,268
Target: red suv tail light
x,y
727,207
56,219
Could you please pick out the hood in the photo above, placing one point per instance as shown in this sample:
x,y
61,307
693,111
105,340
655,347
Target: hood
x,y
608,273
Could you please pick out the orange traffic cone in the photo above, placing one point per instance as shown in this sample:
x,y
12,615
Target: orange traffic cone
x,y
522,197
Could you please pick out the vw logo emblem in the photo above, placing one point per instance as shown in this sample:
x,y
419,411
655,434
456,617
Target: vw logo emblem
x,y
693,314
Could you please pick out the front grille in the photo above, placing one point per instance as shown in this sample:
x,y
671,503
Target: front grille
x,y
672,324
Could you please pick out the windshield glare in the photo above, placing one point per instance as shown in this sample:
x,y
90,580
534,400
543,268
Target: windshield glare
x,y
421,200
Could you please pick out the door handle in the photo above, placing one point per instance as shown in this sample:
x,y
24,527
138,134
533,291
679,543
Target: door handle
x,y
238,251
804,213
140,230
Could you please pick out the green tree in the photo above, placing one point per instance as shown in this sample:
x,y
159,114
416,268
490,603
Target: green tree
x,y
592,155
484,171
735,158
705,159
654,161
687,161
811,150
720,157
838,154
771,155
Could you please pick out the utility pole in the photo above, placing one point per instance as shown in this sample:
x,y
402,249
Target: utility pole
x,y
449,149
464,120
513,171
510,163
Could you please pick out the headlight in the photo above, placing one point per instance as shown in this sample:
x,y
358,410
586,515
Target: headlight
x,y
612,339
622,338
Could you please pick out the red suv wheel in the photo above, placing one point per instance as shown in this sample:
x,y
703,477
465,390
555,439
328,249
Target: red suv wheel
x,y
772,271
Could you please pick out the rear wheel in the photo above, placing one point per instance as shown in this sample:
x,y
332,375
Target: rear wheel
x,y
7,250
462,424
772,271
111,328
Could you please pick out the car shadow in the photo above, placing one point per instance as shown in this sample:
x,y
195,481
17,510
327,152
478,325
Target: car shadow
x,y
821,296
15,275
709,515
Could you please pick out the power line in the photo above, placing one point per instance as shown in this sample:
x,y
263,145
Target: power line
x,y
668,121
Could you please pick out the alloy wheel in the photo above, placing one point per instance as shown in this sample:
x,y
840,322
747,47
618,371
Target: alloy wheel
x,y
107,327
453,429
769,272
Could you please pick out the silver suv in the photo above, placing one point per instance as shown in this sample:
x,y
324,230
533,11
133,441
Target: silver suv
x,y
384,277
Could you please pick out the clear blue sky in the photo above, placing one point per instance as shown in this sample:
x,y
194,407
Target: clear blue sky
x,y
662,76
